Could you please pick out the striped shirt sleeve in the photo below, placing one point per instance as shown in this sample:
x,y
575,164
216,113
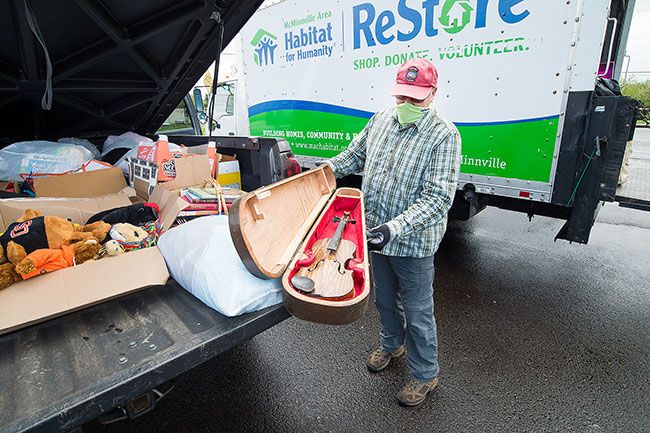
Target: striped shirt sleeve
x,y
352,159
438,190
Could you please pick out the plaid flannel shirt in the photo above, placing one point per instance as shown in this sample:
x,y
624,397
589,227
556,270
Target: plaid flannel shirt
x,y
410,175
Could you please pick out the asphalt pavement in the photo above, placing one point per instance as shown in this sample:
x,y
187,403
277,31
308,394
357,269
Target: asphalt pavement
x,y
534,335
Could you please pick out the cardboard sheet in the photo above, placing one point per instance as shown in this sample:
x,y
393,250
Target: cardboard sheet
x,y
54,294
78,210
89,184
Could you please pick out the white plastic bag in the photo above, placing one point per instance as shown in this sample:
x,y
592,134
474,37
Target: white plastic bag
x,y
128,140
200,255
41,157
83,143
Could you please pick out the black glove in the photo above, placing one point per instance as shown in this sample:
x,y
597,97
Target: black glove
x,y
378,237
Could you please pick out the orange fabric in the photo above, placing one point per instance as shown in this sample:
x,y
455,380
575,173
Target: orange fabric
x,y
49,260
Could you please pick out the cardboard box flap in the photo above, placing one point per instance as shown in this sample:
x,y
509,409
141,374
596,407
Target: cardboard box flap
x,y
78,210
89,184
189,172
268,225
170,205
71,289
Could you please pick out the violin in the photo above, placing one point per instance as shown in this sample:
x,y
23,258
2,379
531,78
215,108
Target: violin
x,y
328,277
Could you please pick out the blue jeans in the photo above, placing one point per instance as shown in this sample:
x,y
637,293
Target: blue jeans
x,y
404,299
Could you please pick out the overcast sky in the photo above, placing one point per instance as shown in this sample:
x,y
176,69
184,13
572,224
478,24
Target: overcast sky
x,y
638,45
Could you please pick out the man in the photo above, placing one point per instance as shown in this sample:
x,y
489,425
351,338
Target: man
x,y
410,156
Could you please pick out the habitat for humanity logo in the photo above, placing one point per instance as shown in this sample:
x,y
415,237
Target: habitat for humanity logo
x,y
265,45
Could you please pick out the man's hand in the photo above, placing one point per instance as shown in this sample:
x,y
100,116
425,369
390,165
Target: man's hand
x,y
378,237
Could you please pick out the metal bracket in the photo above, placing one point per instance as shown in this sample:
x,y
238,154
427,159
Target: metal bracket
x,y
216,16
138,406
611,46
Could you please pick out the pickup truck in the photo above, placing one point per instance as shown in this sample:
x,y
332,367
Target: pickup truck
x,y
89,69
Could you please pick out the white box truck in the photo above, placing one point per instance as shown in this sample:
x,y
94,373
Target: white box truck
x,y
517,77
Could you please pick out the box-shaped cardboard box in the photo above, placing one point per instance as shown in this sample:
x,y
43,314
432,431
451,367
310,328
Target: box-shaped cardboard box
x,y
143,174
189,172
164,159
54,294
228,174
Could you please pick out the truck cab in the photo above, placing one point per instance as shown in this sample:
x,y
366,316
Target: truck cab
x,y
230,115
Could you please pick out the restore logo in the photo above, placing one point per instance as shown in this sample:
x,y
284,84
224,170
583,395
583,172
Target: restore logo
x,y
456,14
371,26
265,45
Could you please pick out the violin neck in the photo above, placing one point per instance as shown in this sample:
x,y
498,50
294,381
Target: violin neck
x,y
333,245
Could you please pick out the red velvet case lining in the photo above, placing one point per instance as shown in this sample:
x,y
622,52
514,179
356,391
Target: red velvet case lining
x,y
352,232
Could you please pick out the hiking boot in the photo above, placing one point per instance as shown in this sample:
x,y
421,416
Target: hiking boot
x,y
415,392
379,359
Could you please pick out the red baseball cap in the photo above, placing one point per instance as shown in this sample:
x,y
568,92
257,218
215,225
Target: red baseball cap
x,y
415,79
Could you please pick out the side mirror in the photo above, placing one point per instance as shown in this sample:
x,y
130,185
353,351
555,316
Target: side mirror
x,y
203,118
198,100
230,105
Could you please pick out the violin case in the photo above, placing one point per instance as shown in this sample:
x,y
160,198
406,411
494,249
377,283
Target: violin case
x,y
274,226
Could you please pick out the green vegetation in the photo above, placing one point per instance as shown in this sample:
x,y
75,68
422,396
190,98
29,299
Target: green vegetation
x,y
639,90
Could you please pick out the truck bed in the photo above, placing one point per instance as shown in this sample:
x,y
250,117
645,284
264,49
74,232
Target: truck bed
x,y
67,371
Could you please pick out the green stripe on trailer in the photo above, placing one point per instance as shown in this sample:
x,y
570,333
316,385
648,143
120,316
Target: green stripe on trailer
x,y
310,133
515,150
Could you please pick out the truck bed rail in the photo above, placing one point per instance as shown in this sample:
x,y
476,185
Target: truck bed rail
x,y
65,372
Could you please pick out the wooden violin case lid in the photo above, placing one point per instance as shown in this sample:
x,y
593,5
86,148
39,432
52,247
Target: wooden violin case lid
x,y
268,228
269,224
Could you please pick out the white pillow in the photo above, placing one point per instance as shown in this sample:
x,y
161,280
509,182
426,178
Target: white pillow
x,y
200,255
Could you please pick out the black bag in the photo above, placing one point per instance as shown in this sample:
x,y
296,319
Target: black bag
x,y
607,87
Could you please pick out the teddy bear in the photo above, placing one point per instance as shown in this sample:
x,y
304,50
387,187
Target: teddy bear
x,y
125,236
48,260
125,232
8,275
112,248
33,231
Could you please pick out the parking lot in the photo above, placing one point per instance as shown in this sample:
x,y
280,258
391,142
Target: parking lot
x,y
534,335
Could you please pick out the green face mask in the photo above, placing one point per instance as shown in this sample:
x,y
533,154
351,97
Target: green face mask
x,y
408,113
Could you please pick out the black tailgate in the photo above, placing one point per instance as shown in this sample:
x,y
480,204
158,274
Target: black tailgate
x,y
64,372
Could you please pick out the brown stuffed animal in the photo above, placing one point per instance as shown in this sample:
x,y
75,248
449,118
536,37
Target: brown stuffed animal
x,y
32,232
8,275
49,260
